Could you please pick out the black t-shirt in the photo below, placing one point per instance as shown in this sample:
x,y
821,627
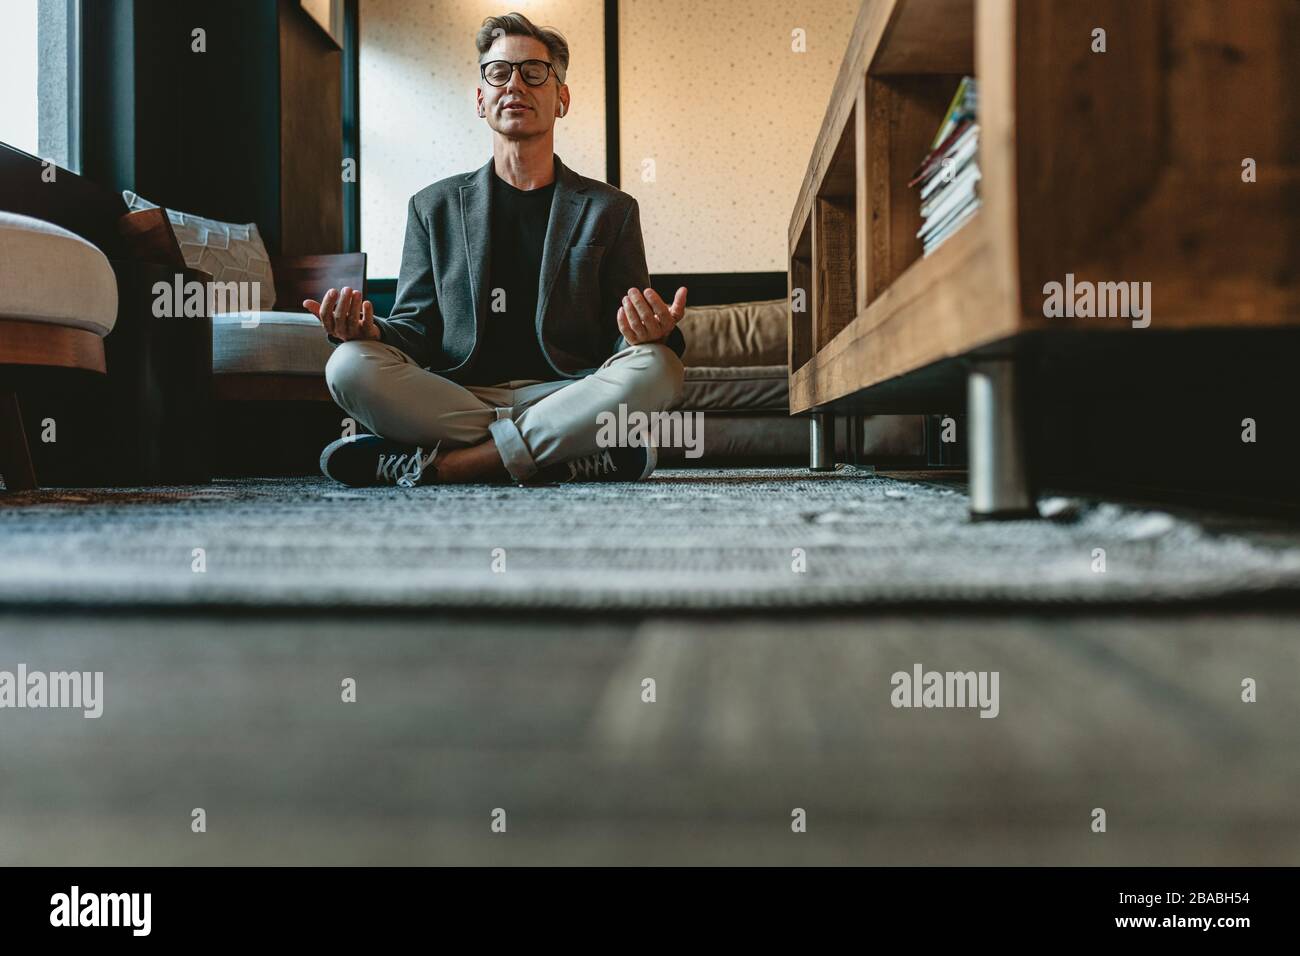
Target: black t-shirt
x,y
511,349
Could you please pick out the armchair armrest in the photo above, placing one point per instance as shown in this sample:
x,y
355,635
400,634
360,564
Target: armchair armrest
x,y
308,277
149,237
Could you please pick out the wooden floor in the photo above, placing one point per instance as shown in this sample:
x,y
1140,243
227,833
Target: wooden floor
x,y
753,718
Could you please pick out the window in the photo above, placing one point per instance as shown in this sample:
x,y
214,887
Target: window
x,y
38,72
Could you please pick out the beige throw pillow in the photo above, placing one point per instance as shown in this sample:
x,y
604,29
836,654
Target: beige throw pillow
x,y
226,251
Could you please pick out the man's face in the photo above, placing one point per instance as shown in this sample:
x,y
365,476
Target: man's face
x,y
517,110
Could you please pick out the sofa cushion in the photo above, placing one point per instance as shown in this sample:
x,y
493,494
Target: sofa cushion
x,y
228,252
48,274
741,334
757,388
269,343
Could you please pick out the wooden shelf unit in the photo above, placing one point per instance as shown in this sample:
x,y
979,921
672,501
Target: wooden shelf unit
x,y
1122,166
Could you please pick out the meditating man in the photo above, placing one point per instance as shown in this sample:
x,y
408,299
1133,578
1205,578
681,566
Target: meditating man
x,y
523,309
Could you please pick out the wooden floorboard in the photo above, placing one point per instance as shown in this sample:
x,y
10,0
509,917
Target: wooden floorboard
x,y
544,718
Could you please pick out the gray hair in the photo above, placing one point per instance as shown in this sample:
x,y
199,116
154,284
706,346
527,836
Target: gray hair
x,y
516,24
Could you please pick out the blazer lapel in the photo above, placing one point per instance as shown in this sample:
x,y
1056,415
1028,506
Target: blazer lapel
x,y
476,226
567,206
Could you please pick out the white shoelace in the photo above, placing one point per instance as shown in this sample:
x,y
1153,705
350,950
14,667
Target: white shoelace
x,y
593,466
405,470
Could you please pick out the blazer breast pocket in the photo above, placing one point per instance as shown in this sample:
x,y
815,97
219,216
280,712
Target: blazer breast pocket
x,y
584,268
583,279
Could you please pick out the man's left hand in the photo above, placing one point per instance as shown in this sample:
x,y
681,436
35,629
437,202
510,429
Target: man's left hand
x,y
645,318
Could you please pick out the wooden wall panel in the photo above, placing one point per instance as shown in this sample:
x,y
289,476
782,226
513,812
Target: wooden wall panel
x,y
311,136
202,135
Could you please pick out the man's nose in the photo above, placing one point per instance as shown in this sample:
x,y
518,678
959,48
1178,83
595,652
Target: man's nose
x,y
516,80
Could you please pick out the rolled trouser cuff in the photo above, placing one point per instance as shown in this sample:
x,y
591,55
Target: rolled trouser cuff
x,y
514,453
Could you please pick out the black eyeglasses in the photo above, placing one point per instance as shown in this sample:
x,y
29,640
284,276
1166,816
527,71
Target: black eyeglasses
x,y
533,72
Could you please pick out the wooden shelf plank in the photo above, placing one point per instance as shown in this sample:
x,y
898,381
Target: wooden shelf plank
x,y
941,306
927,36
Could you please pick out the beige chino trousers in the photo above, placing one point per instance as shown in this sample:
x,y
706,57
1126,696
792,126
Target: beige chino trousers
x,y
534,424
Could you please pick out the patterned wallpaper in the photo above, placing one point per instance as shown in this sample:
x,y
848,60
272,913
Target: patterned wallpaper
x,y
713,94
716,179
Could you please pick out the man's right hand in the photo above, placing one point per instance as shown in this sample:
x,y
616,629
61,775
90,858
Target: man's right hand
x,y
344,315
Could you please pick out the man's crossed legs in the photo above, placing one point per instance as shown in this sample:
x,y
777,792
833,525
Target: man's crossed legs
x,y
513,430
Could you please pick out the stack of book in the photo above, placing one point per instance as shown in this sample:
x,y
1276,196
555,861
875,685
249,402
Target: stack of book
x,y
949,175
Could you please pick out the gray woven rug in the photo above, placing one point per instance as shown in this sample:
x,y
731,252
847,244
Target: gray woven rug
x,y
686,539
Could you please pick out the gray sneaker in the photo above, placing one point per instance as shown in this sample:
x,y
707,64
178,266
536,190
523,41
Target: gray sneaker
x,y
367,461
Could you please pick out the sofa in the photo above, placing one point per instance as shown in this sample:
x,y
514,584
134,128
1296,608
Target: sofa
x,y
58,300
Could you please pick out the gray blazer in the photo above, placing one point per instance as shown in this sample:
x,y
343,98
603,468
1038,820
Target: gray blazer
x,y
593,253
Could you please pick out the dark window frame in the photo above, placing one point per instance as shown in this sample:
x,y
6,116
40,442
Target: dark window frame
x,y
612,175
351,86
73,59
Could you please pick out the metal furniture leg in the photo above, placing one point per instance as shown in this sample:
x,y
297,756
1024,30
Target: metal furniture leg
x,y
999,479
821,441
